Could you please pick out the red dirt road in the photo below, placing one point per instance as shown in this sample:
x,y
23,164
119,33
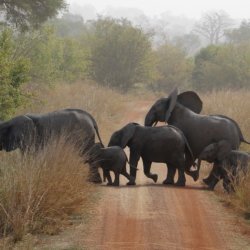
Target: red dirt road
x,y
154,216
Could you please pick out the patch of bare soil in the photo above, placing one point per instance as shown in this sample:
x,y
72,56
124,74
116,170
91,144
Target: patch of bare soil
x,y
153,216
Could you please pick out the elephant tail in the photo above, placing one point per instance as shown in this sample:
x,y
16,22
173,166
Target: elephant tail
x,y
129,162
98,135
245,141
241,137
97,131
190,151
187,146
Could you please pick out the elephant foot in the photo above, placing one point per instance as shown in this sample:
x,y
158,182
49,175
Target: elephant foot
x,y
212,184
180,183
131,183
206,181
155,177
168,182
195,175
210,188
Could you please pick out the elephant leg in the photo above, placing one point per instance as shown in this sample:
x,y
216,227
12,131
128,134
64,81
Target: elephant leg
x,y
107,174
117,179
133,161
215,175
181,175
230,178
188,164
170,176
124,173
228,185
146,168
211,175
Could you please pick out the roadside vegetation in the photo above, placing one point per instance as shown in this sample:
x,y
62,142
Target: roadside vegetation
x,y
234,104
40,191
49,63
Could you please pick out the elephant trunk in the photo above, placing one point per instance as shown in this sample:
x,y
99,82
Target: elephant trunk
x,y
149,119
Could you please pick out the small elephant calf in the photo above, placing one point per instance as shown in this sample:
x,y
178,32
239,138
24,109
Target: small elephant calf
x,y
109,159
229,168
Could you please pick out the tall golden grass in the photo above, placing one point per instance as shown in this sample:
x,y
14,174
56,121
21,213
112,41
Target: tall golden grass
x,y
104,104
234,104
39,190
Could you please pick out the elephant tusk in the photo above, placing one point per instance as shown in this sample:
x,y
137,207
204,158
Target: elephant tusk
x,y
154,124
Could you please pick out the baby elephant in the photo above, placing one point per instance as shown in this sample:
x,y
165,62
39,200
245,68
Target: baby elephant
x,y
237,162
214,152
109,159
230,167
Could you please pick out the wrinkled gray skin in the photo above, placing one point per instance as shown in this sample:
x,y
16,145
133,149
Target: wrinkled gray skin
x,y
235,163
183,111
33,131
214,152
159,144
111,158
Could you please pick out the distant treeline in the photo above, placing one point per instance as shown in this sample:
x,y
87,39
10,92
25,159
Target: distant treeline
x,y
116,54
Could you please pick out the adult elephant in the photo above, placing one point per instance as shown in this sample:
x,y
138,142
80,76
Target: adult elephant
x,y
33,131
165,144
183,111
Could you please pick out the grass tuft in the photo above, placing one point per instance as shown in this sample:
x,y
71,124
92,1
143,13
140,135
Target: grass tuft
x,y
39,191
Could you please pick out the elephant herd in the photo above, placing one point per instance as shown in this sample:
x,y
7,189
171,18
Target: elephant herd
x,y
188,139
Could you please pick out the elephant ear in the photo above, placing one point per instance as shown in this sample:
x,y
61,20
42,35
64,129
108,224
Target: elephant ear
x,y
128,132
191,100
224,149
172,98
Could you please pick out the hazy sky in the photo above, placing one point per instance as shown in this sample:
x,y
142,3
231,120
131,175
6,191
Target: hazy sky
x,y
191,8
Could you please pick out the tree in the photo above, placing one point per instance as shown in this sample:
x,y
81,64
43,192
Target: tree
x,y
173,68
120,53
14,72
69,25
213,25
26,14
190,43
226,66
53,58
241,34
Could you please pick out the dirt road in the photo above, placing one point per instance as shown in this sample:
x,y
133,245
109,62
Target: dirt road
x,y
153,216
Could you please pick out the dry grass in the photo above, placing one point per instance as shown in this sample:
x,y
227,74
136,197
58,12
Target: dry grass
x,y
234,104
39,191
241,198
104,104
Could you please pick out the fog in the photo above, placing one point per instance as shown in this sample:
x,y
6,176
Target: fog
x,y
170,18
192,9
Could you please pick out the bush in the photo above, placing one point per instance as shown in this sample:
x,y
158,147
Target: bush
x,y
120,53
38,191
14,72
225,66
173,67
